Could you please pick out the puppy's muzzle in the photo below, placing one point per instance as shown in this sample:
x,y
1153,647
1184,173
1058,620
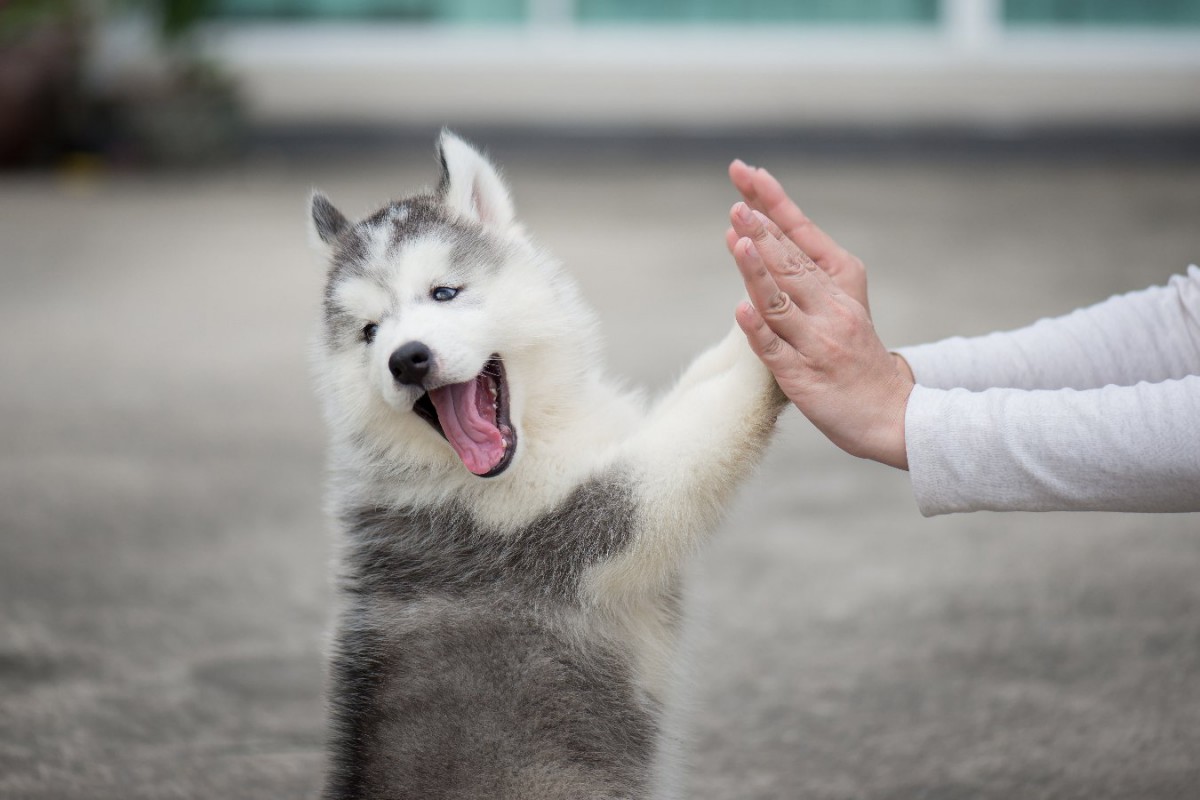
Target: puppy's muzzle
x,y
411,363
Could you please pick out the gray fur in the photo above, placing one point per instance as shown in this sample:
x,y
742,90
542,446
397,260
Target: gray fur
x,y
410,552
330,224
459,670
398,223
444,177
479,661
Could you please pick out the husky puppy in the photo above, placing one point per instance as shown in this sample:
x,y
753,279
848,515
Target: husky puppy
x,y
513,525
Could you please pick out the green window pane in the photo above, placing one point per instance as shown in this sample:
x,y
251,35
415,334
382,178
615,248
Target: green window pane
x,y
1102,12
469,11
848,11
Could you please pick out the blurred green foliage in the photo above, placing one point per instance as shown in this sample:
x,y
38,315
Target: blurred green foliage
x,y
177,17
19,17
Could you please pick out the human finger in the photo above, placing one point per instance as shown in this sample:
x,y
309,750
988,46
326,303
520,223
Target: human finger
x,y
772,228
766,194
731,236
774,304
791,268
773,351
756,225
741,175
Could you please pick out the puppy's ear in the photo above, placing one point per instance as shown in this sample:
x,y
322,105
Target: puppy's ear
x,y
327,222
471,185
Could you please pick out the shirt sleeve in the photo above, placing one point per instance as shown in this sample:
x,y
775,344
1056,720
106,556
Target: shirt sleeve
x,y
1152,335
1117,448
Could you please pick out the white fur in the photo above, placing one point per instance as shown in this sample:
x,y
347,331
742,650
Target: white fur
x,y
476,190
685,454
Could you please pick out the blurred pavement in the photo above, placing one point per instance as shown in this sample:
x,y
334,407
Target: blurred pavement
x,y
164,554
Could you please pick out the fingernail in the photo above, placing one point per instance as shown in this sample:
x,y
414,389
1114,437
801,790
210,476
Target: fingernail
x,y
744,214
750,250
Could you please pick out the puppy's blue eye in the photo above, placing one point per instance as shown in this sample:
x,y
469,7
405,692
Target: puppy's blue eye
x,y
368,332
444,293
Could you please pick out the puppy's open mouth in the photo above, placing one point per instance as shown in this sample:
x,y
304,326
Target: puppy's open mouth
x,y
473,416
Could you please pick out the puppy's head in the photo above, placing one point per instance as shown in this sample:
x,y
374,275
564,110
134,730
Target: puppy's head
x,y
440,317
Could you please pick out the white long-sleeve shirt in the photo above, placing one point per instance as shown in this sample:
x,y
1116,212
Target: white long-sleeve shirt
x,y
1098,410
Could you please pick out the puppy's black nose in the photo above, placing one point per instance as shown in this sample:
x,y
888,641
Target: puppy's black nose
x,y
411,363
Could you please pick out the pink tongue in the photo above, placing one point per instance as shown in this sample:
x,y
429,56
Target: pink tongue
x,y
471,432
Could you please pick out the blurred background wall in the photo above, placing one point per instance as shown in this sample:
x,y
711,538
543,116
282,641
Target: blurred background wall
x,y
718,65
171,80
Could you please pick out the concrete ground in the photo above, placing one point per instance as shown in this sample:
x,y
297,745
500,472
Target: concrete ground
x,y
164,556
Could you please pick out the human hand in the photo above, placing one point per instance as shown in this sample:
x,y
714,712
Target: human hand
x,y
766,195
818,340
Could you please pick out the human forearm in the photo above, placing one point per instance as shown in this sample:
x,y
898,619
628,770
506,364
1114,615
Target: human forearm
x,y
1133,448
1151,335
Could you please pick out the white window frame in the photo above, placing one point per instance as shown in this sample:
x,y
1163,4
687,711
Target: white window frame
x,y
699,75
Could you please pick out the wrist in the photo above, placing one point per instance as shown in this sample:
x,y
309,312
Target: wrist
x,y
903,368
894,446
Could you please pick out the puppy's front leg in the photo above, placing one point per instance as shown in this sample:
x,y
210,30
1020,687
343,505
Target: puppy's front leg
x,y
697,446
